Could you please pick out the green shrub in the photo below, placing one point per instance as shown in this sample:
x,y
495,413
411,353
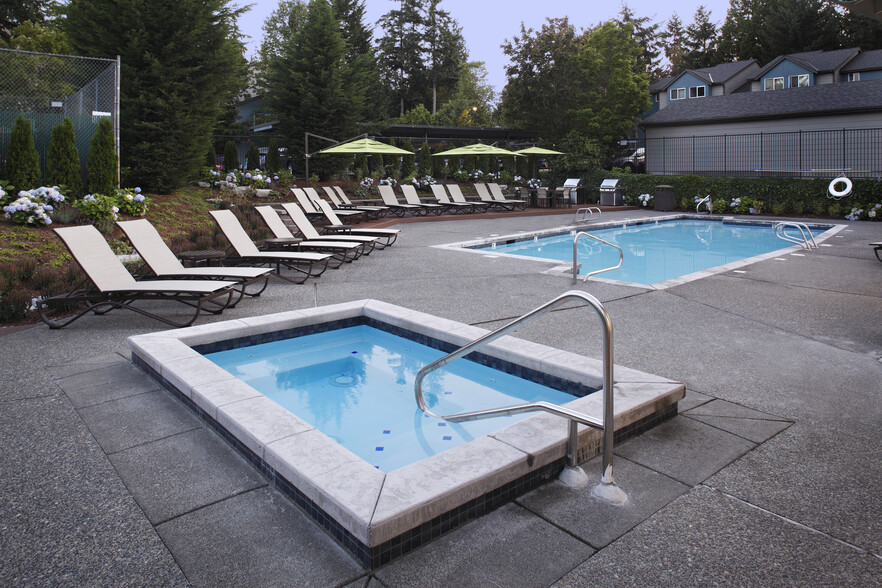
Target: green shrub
x,y
98,207
22,159
252,160
102,165
210,157
231,157
408,162
131,202
63,160
273,159
426,168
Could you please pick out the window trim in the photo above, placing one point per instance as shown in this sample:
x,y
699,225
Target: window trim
x,y
798,77
681,94
697,88
776,79
854,76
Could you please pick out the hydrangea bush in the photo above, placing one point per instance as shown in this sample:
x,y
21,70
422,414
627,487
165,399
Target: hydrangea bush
x,y
131,202
32,207
98,207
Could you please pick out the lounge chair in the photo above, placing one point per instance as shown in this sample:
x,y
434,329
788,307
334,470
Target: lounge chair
x,y
440,194
306,264
346,203
395,207
411,197
497,194
342,251
456,196
484,195
370,212
385,237
165,265
114,286
877,247
353,215
309,231
310,209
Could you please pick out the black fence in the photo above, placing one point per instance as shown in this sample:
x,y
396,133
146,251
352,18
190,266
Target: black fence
x,y
797,154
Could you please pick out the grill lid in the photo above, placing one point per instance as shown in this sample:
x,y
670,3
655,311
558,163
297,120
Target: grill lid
x,y
572,183
609,184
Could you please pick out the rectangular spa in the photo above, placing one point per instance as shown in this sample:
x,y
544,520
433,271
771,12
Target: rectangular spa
x,y
376,510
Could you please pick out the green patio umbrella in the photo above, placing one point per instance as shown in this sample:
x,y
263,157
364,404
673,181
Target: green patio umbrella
x,y
476,149
366,146
537,151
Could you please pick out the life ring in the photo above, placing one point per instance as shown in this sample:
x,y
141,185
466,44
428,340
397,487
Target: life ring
x,y
839,193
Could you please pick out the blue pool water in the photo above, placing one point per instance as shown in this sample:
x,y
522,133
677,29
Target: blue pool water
x,y
655,252
356,386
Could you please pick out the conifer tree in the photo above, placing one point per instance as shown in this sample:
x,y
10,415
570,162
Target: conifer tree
x,y
253,157
426,167
102,164
63,159
273,159
22,160
361,166
231,156
182,62
408,163
210,156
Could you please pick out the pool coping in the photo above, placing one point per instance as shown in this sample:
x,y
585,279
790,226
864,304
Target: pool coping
x,y
373,508
565,270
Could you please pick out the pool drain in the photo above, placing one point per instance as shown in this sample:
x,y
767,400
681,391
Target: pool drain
x,y
344,380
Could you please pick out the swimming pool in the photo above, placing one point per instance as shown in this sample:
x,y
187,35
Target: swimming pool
x,y
355,385
379,515
658,252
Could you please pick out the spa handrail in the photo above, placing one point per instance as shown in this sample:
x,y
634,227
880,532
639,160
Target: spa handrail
x,y
781,232
710,204
583,215
595,272
606,424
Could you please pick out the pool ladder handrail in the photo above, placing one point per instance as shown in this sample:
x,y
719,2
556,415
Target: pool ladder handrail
x,y
595,272
710,204
806,242
583,215
606,489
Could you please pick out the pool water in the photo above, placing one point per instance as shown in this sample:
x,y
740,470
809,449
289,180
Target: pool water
x,y
656,252
356,386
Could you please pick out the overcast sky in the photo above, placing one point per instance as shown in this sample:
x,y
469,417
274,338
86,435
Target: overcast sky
x,y
486,24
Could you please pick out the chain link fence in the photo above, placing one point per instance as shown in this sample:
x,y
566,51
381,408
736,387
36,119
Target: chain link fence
x,y
46,88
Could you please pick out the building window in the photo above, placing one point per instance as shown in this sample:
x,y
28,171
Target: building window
x,y
800,81
854,77
678,93
773,83
696,91
655,97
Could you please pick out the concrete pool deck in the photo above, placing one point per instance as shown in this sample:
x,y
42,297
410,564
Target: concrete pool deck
x,y
769,475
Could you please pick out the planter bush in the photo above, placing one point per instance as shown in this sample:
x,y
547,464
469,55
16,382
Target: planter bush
x,y
63,160
102,165
22,160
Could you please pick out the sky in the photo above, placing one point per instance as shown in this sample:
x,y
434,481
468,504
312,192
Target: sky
x,y
486,24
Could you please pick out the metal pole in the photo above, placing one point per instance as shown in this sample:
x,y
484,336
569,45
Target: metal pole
x,y
306,154
117,75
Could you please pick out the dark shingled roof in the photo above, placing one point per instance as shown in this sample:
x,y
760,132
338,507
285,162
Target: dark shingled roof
x,y
826,99
866,61
814,61
660,85
717,74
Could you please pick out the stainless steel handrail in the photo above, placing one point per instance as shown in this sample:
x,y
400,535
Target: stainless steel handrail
x,y
606,424
585,214
710,204
595,272
781,232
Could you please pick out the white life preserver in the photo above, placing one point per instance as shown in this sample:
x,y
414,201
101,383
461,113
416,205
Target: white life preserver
x,y
839,193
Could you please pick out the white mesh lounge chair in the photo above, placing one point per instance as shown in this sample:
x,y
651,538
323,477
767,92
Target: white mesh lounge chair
x,y
342,251
456,196
385,237
348,203
165,265
411,197
305,265
484,195
496,193
353,215
309,231
371,212
440,193
114,287
395,207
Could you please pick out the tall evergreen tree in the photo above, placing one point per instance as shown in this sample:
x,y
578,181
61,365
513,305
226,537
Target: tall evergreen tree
x,y
445,50
674,44
426,167
252,159
273,159
102,165
648,36
14,13
307,86
361,58
182,63
231,156
63,159
701,41
22,159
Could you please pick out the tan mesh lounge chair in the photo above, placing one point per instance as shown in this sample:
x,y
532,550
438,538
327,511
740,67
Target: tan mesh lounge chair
x,y
456,195
371,212
484,195
411,197
306,264
352,215
440,193
395,207
343,252
310,209
877,247
309,231
114,286
348,203
497,194
162,261
385,237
